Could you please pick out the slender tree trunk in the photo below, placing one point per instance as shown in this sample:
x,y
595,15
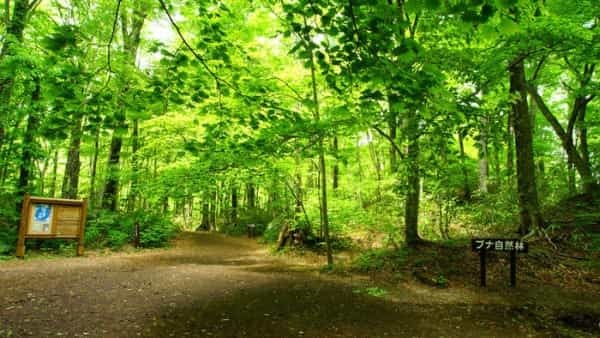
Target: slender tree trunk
x,y
510,150
336,167
483,156
213,209
463,166
322,167
298,185
377,166
93,169
43,168
70,185
360,174
497,176
526,182
135,145
393,127
52,192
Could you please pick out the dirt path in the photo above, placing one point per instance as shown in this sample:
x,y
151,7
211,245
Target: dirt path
x,y
211,285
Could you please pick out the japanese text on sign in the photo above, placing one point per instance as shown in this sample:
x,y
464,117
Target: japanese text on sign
x,y
499,244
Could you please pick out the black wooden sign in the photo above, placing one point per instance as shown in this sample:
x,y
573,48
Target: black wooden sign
x,y
510,245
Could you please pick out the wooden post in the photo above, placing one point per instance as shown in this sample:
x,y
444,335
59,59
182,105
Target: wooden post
x,y
482,268
136,235
22,227
513,269
81,239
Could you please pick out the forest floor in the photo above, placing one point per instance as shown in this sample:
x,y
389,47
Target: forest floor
x,y
209,285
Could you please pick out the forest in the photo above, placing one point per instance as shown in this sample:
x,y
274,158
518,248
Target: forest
x,y
388,131
390,122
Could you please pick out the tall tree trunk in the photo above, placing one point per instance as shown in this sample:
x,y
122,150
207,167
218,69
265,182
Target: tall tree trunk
x,y
234,205
131,28
528,197
589,183
29,144
71,179
111,187
15,26
250,196
7,149
571,179
411,212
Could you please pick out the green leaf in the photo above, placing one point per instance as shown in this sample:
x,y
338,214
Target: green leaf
x,y
508,27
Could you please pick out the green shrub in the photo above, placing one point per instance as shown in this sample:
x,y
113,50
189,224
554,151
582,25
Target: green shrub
x,y
234,229
378,259
156,231
109,229
271,232
8,239
117,238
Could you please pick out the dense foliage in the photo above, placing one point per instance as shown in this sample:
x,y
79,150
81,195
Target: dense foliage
x,y
386,121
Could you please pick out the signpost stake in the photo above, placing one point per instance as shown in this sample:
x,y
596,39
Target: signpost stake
x,y
81,237
510,245
22,224
482,267
513,269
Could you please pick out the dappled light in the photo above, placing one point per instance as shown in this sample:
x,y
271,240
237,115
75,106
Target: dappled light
x,y
296,168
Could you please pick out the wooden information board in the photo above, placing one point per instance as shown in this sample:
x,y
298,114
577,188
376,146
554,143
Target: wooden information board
x,y
49,218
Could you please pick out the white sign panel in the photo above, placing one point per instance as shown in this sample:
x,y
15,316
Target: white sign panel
x,y
41,219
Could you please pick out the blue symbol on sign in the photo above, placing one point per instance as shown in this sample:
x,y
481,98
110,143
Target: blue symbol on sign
x,y
42,212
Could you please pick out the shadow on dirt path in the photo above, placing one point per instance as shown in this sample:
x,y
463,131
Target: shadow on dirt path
x,y
209,285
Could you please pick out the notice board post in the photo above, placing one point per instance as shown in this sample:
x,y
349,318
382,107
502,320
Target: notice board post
x,y
52,218
510,245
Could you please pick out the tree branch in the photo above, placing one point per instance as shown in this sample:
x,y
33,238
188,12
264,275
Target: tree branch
x,y
192,50
546,112
112,35
392,141
566,139
538,68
